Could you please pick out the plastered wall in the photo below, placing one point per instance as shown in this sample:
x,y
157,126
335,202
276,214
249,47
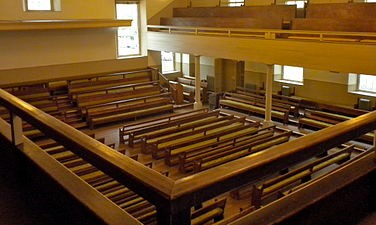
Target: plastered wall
x,y
28,56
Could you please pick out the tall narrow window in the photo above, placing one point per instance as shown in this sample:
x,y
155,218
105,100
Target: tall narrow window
x,y
44,5
128,37
168,62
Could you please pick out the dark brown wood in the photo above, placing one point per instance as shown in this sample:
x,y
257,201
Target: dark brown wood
x,y
285,12
354,11
221,22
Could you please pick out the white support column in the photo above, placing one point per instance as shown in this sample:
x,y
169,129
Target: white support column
x,y
198,103
16,129
268,94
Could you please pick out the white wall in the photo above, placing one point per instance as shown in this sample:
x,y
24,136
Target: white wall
x,y
31,55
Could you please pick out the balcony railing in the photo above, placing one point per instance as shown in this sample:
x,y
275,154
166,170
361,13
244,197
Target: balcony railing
x,y
270,34
173,198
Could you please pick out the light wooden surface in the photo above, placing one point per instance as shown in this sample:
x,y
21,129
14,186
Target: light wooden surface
x,y
60,24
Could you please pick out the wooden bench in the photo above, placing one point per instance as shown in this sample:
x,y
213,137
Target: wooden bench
x,y
93,85
169,132
223,157
246,106
132,112
188,158
277,100
172,153
112,97
319,120
119,105
197,137
213,211
136,131
112,90
279,184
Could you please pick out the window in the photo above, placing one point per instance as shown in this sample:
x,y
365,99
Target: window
x,y
299,4
362,84
235,3
288,74
370,1
168,62
367,83
42,5
128,37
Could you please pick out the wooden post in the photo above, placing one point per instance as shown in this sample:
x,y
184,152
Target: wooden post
x,y
16,130
198,103
268,94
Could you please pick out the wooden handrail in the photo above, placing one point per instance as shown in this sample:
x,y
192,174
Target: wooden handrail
x,y
318,36
173,199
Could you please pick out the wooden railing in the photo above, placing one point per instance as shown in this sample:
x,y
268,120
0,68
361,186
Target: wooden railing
x,y
173,198
270,34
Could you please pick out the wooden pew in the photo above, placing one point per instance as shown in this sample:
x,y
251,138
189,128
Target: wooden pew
x,y
171,131
136,131
213,211
119,105
277,185
256,146
131,111
197,137
277,102
251,107
112,90
249,23
285,12
188,158
112,97
173,152
320,119
335,24
93,85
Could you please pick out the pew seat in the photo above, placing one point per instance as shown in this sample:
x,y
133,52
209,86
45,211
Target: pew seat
x,y
129,115
303,174
254,109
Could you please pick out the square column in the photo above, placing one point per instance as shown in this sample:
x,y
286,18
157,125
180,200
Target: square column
x,y
198,103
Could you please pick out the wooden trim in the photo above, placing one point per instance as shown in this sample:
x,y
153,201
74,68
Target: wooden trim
x,y
18,25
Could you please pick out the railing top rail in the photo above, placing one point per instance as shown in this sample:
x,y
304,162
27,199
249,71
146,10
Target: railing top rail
x,y
276,31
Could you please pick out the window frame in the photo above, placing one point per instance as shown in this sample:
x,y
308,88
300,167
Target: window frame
x,y
235,3
279,75
52,7
119,56
354,85
295,2
173,62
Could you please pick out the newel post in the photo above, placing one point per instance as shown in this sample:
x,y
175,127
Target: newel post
x,y
16,130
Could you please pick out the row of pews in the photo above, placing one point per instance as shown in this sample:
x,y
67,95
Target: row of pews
x,y
97,99
254,103
199,140
192,141
341,17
